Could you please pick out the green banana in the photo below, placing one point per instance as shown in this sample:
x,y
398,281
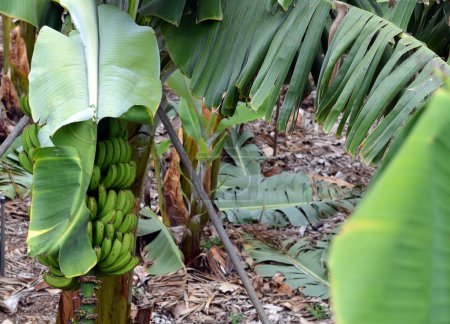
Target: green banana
x,y
89,231
25,105
113,255
111,177
25,139
116,129
130,202
109,155
133,243
121,199
53,260
98,252
25,162
121,262
122,175
128,155
34,140
126,242
59,282
118,220
116,150
106,248
132,175
119,236
43,260
109,231
110,203
109,217
127,223
33,136
95,179
101,154
102,197
123,150
130,266
55,271
92,206
99,232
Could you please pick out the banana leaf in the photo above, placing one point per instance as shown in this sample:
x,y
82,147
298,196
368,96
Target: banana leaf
x,y
302,265
31,11
240,58
162,251
385,75
245,195
14,180
91,65
390,264
284,199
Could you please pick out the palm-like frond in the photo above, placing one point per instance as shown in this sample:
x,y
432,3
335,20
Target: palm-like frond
x,y
385,75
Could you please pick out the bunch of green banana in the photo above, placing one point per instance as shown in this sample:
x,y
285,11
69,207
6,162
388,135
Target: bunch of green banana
x,y
112,151
54,277
111,230
30,143
113,165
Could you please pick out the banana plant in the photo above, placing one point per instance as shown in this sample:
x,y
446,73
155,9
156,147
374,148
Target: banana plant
x,y
104,85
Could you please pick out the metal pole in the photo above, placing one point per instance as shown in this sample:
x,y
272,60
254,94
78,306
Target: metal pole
x,y
212,214
3,236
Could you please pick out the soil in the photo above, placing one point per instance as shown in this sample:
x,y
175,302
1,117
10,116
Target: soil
x,y
193,296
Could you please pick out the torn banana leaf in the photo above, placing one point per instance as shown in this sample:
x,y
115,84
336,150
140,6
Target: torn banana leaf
x,y
303,266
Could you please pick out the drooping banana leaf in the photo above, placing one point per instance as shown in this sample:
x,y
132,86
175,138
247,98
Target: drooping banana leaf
x,y
286,198
162,251
172,11
75,82
302,266
384,77
390,264
59,216
241,58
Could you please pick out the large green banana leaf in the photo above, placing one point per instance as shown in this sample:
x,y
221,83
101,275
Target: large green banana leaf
x,y
108,66
31,11
59,216
303,265
250,53
385,75
162,251
391,262
111,65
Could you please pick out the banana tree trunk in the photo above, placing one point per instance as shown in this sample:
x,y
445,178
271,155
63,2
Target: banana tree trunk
x,y
114,295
